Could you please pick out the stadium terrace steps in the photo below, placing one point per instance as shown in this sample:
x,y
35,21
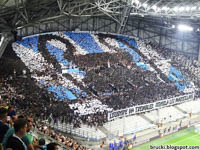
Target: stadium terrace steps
x,y
127,125
91,133
146,118
180,109
165,115
194,106
106,132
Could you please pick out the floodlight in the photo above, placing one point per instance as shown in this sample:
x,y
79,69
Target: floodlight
x,y
194,8
187,8
165,8
154,7
181,9
145,5
175,9
137,2
183,27
173,26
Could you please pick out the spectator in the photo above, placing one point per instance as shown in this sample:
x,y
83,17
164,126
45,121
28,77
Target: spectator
x,y
12,112
15,141
112,76
3,119
28,138
52,146
42,144
9,133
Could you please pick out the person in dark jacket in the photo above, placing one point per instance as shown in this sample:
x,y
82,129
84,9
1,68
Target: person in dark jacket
x,y
3,126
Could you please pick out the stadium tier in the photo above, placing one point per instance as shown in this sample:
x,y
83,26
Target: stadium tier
x,y
132,74
99,74
92,85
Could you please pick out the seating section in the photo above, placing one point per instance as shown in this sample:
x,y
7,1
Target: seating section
x,y
188,67
92,133
164,65
103,46
67,66
101,73
192,106
58,53
173,74
23,89
31,43
165,115
136,56
127,125
85,41
91,44
35,62
169,114
62,93
130,41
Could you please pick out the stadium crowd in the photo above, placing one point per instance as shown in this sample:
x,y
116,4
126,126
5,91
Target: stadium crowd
x,y
187,65
101,81
33,102
16,133
112,81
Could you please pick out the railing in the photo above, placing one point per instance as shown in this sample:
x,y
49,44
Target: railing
x,y
5,39
80,132
3,44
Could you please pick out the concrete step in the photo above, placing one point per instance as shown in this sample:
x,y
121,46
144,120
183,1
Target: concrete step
x,y
181,110
146,118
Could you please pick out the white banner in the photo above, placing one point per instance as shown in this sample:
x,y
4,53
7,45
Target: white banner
x,y
149,107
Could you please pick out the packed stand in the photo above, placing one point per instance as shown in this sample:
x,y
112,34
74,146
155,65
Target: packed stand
x,y
110,80
19,90
187,65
